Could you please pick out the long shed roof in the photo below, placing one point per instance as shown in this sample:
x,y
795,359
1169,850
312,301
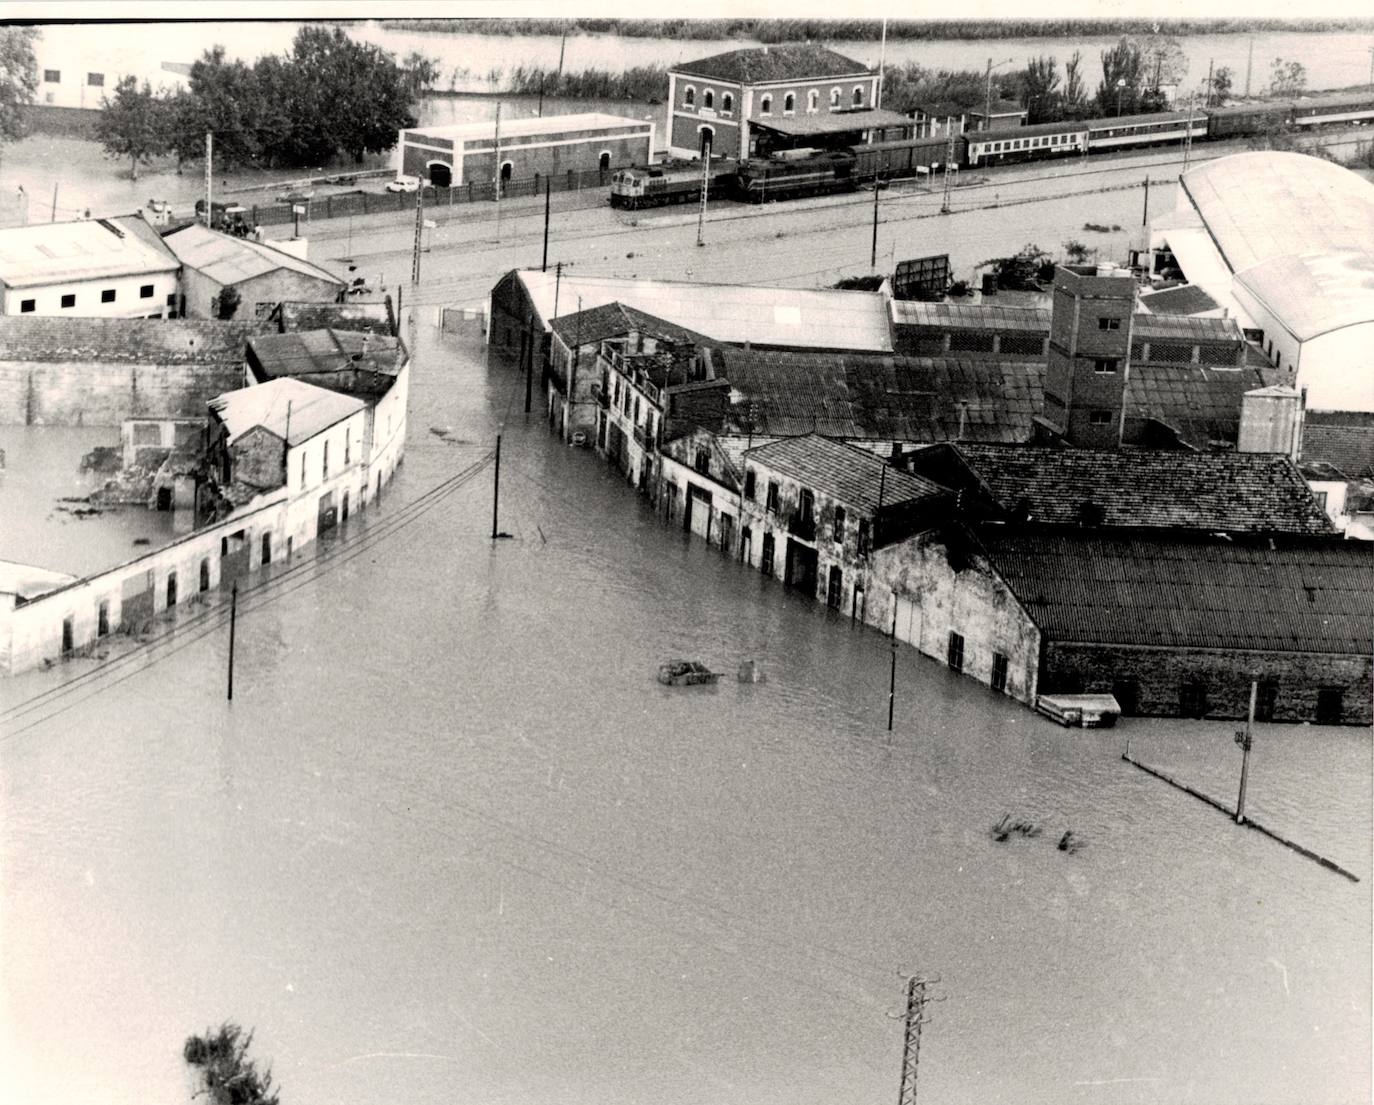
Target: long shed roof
x,y
855,477
50,253
228,260
292,409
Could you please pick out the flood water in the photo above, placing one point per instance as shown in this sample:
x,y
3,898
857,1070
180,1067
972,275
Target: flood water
x,y
451,842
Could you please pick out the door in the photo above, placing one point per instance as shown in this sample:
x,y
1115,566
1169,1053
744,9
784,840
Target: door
x,y
699,504
801,567
908,622
835,591
327,517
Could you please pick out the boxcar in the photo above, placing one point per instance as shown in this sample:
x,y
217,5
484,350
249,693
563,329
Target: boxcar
x,y
904,158
763,179
993,147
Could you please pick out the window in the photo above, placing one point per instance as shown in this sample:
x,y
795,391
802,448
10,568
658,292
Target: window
x,y
772,504
145,292
604,161
999,672
1320,496
636,413
205,575
267,546
837,529
766,105
102,620
727,103
766,558
107,295
834,97
348,445
789,103
52,76
95,80
1100,418
858,95
324,467
863,538
956,651
807,508
708,98
1109,324
302,469
690,96
26,306
1105,366
171,299
68,636
749,484
69,300
813,99
703,462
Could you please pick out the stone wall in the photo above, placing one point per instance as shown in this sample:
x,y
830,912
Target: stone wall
x,y
85,393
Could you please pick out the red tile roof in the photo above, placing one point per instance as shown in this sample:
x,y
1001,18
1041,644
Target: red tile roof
x,y
852,476
787,62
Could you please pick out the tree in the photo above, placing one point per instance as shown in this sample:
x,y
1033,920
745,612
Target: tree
x,y
1019,272
1218,91
228,103
229,1077
227,302
1162,60
1119,92
133,124
420,73
1075,98
1040,90
1287,78
18,80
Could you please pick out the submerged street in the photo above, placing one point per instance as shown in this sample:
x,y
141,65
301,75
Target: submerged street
x,y
452,842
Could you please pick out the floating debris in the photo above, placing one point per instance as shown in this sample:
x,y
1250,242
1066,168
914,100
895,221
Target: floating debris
x,y
1070,843
1001,832
686,673
750,672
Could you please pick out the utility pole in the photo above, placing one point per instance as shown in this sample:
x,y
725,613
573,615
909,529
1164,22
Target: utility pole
x,y
878,186
233,627
496,182
419,230
557,283
1145,212
54,203
916,998
1245,740
892,675
529,370
949,163
572,372
544,265
987,100
882,56
209,173
1208,94
496,491
1188,139
705,187
1249,63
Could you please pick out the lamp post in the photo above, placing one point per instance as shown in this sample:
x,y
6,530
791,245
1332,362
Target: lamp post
x,y
1120,88
987,91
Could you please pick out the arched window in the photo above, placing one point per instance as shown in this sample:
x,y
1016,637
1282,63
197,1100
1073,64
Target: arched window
x,y
708,98
708,139
766,105
812,99
690,96
834,97
858,95
604,161
727,102
789,103
506,168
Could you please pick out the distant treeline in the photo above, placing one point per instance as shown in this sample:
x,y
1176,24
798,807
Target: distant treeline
x,y
647,83
837,30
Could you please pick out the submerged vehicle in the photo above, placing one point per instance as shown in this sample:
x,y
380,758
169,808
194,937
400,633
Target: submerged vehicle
x,y
685,673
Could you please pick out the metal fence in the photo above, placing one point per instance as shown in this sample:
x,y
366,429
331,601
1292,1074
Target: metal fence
x,y
474,191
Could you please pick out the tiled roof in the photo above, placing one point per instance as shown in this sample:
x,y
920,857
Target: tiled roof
x,y
761,64
855,477
229,260
1189,591
614,320
124,340
372,318
283,406
304,352
91,249
856,395
1201,405
834,122
1235,492
1344,439
1186,299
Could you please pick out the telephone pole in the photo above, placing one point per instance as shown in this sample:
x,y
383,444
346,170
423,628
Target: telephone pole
x,y
209,173
1245,740
705,187
233,626
878,185
916,998
419,230
544,266
949,163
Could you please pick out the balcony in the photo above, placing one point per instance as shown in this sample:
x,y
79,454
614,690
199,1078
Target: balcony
x,y
802,526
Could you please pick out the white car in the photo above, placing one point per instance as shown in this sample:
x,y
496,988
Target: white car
x,y
404,184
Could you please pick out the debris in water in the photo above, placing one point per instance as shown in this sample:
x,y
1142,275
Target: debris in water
x,y
1070,843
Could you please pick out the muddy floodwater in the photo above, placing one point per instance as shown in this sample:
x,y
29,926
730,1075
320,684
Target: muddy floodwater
x,y
453,843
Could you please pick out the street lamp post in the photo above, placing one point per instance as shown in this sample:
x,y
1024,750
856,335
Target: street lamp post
x,y
1120,88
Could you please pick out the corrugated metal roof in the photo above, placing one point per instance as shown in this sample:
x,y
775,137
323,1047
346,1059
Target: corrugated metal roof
x,y
784,62
854,477
229,260
982,316
1113,122
1238,492
1186,328
1199,403
520,128
1187,299
731,312
1315,293
837,122
303,352
92,249
1189,591
307,409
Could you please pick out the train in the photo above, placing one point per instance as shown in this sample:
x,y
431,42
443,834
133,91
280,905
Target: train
x,y
789,174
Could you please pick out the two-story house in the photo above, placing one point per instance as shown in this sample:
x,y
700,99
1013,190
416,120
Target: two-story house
x,y
713,100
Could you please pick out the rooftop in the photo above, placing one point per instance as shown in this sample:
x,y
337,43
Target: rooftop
x,y
1233,492
1186,299
767,64
1198,404
92,249
1292,594
124,340
834,122
613,320
730,312
284,407
375,318
854,477
1344,439
1185,328
519,128
980,316
1112,122
229,260
348,361
1315,293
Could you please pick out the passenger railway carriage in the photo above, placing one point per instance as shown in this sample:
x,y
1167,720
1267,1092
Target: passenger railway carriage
x,y
993,147
1160,127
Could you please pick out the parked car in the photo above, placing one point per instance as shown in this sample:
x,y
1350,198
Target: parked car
x,y
302,195
404,183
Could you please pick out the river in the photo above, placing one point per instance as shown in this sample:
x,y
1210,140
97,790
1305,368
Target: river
x,y
452,843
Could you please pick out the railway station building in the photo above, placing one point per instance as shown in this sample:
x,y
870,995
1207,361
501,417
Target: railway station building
x,y
719,99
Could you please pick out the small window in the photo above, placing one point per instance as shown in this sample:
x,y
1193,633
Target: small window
x,y
858,95
69,300
772,504
956,651
1109,324
171,299
171,590
145,292
690,96
863,540
727,103
708,98
302,468
999,672
68,636
204,575
26,306
703,462
102,620
324,466
1105,366
835,97
267,544
806,509
837,528
348,446
766,105
52,76
813,99
107,295
1320,496
749,484
95,80
1100,418
789,103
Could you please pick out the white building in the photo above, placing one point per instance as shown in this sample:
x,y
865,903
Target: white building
x,y
111,268
1286,242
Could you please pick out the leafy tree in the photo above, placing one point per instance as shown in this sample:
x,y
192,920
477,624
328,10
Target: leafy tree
x,y
420,73
1162,60
1075,98
1122,79
227,302
228,102
229,1077
1020,271
1040,90
133,124
1078,252
1216,92
18,80
1287,78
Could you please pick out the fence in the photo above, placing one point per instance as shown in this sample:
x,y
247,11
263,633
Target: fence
x,y
372,203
